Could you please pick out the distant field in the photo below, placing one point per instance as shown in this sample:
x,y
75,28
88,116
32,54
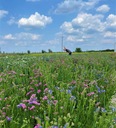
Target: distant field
x,y
55,90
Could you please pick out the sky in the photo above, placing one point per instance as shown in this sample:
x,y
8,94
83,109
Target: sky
x,y
38,25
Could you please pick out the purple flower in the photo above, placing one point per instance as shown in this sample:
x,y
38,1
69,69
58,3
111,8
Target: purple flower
x,y
35,102
21,105
32,98
54,126
99,90
8,118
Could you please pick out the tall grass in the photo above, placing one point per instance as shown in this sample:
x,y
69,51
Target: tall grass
x,y
57,91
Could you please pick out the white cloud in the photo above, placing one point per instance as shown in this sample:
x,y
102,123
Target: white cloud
x,y
110,34
73,5
72,38
111,20
35,20
68,27
84,22
21,39
87,27
27,36
12,21
3,13
9,37
104,8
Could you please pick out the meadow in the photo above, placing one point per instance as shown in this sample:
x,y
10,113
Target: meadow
x,y
58,90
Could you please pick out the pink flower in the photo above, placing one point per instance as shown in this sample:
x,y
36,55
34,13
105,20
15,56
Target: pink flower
x,y
21,105
45,84
35,102
29,93
38,91
45,98
36,85
91,93
46,89
32,108
55,102
37,126
39,83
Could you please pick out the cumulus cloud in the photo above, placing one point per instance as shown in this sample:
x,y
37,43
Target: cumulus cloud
x,y
35,20
68,6
9,37
84,22
85,26
21,39
104,8
111,20
3,13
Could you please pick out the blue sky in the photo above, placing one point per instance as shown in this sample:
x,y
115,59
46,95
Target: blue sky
x,y
37,25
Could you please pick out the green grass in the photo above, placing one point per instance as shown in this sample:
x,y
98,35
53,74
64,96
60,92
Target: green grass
x,y
58,90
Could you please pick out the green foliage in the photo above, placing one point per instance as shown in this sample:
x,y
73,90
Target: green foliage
x,y
43,51
78,50
57,90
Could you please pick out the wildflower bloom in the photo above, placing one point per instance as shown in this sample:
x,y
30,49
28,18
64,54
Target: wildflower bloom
x,y
46,90
54,126
72,98
29,93
38,126
50,91
99,90
40,83
45,98
31,108
55,102
8,118
90,94
32,98
38,91
21,105
35,102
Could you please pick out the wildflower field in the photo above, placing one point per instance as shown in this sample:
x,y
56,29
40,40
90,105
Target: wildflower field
x,y
58,91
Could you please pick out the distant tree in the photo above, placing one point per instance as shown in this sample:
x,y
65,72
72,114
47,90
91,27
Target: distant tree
x,y
28,51
78,50
43,51
49,50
